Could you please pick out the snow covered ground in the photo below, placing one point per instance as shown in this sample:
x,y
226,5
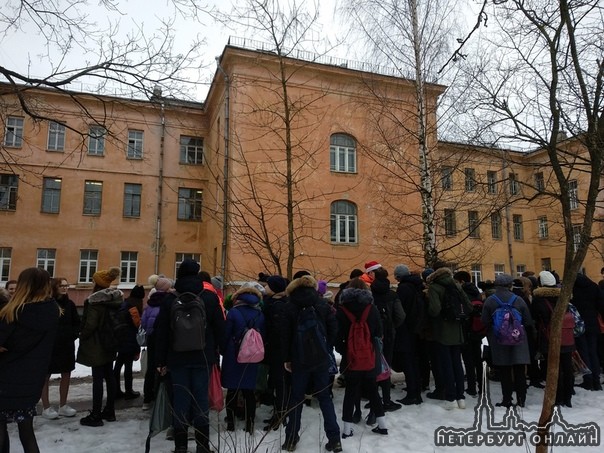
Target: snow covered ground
x,y
411,429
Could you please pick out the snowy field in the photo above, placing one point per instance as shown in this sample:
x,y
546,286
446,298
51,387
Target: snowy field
x,y
411,429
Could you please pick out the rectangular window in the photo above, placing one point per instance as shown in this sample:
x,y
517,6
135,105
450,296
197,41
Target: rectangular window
x,y
573,194
543,228
13,132
476,273
450,224
473,224
96,140
520,269
518,232
576,237
546,264
46,260
496,225
539,182
135,145
189,204
499,269
51,195
470,175
191,150
492,182
128,264
132,200
5,257
8,192
93,194
446,178
88,265
342,153
180,257
56,136
514,186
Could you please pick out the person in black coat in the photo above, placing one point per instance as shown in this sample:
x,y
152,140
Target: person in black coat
x,y
63,353
189,370
28,325
587,297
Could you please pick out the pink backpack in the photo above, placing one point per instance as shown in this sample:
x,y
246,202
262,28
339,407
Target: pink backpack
x,y
251,346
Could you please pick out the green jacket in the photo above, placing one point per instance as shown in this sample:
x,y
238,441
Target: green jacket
x,y
91,352
445,332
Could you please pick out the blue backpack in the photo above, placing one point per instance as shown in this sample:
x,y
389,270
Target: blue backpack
x,y
507,323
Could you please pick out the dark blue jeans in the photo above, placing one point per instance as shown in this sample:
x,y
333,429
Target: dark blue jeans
x,y
191,404
449,358
320,380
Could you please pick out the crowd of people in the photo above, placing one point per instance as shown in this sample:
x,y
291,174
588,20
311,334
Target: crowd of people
x,y
422,324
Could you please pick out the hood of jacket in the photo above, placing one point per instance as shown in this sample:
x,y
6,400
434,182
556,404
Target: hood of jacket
x,y
381,286
157,298
546,291
471,290
247,295
442,276
107,296
583,281
413,279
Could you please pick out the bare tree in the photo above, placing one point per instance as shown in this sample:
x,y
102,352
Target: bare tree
x,y
541,76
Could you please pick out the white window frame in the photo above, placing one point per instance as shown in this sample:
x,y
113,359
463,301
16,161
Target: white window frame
x,y
518,229
539,181
476,273
191,150
514,185
9,191
96,140
89,261
343,222
496,224
470,182
56,136
576,237
473,225
5,262
520,269
46,259
573,194
134,149
13,132
93,197
132,200
128,266
542,227
190,204
491,182
342,153
450,222
51,195
446,182
498,269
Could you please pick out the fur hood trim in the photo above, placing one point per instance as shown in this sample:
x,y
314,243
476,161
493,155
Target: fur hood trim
x,y
248,290
106,295
306,281
546,291
363,296
438,273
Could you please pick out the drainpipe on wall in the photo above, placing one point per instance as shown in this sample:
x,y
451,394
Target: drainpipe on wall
x,y
505,180
225,202
160,188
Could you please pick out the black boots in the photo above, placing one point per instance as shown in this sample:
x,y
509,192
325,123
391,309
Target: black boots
x,y
202,439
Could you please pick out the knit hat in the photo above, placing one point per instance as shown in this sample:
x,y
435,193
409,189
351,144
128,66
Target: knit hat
x,y
426,273
253,284
504,280
400,271
321,287
103,279
547,279
276,283
371,266
217,282
517,284
138,292
188,267
301,273
163,284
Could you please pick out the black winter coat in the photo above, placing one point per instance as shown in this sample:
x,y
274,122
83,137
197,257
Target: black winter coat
x,y
355,300
587,297
274,316
542,315
410,291
68,330
129,347
391,312
28,343
166,356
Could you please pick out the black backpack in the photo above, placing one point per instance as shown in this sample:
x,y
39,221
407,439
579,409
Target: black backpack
x,y
188,323
114,328
454,305
310,342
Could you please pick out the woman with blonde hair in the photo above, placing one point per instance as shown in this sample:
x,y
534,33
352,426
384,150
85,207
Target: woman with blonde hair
x,y
28,324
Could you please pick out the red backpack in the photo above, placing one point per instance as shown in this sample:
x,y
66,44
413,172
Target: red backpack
x,y
360,350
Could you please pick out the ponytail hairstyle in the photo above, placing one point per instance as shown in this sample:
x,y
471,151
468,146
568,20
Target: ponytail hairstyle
x,y
33,285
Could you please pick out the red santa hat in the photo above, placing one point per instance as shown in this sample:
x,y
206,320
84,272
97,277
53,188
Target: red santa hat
x,y
371,266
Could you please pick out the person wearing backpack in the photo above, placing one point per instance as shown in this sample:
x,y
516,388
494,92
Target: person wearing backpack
x,y
510,359
94,350
240,378
544,302
189,368
308,335
359,323
392,314
448,333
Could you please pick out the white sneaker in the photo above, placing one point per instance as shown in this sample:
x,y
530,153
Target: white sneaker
x,y
50,414
67,411
461,404
450,405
